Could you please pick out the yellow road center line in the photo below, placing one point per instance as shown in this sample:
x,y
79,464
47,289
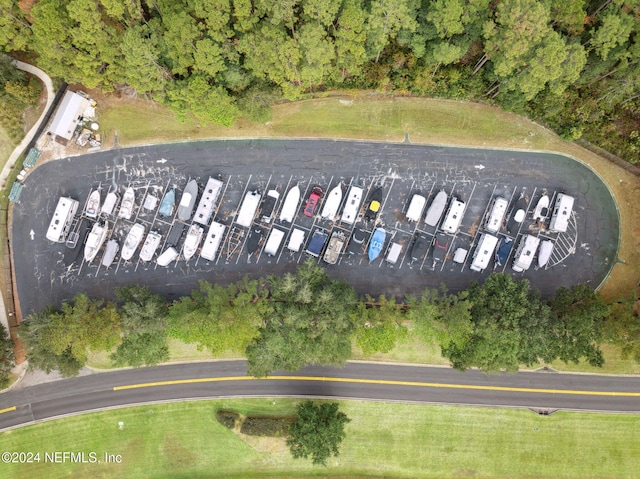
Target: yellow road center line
x,y
382,382
8,409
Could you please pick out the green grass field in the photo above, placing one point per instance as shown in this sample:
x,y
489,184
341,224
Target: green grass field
x,y
365,116
183,440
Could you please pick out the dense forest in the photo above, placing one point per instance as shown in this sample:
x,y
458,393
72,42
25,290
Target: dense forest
x,y
572,64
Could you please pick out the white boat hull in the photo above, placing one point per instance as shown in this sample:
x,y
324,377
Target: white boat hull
x,y
332,203
94,241
290,205
132,241
192,241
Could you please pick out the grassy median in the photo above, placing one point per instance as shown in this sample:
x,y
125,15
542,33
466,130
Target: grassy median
x,y
181,440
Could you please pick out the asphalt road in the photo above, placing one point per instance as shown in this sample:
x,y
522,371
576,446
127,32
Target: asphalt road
x,y
545,391
48,273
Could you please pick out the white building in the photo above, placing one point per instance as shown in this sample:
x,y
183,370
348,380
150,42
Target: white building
x,y
69,114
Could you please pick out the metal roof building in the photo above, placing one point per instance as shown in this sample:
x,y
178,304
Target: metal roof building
x,y
68,115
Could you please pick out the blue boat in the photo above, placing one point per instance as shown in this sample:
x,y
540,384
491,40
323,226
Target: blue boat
x,y
168,202
502,253
376,244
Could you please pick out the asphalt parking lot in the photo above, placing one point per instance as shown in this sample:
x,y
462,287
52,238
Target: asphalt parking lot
x,y
49,273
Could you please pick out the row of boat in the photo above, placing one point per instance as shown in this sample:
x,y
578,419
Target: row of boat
x,y
99,232
94,209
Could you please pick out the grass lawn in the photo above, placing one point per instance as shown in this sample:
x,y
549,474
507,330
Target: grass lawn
x,y
184,440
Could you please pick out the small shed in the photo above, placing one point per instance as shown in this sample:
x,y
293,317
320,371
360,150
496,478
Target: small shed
x,y
68,115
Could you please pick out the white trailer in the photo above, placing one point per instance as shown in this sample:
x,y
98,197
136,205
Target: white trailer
x,y
212,241
273,242
167,257
62,219
296,240
414,213
352,205
525,253
248,208
454,216
484,252
208,201
496,215
394,253
561,213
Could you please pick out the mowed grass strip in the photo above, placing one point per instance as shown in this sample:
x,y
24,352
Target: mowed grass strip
x,y
395,440
372,117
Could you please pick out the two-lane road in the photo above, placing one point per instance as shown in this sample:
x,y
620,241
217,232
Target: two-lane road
x,y
544,390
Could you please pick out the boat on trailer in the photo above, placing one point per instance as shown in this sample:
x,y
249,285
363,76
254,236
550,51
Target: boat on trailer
x,y
110,253
132,241
95,240
542,208
128,202
377,243
109,203
503,250
168,203
332,203
192,241
188,201
93,204
150,245
290,205
544,253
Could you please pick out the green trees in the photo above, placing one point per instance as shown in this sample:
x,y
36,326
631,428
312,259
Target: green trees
x,y
6,357
211,57
143,315
577,326
309,324
220,319
508,323
16,93
317,432
61,339
379,325
622,328
307,318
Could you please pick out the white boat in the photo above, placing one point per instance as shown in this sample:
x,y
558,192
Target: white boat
x,y
93,204
544,253
169,255
290,205
109,203
150,202
150,246
96,237
128,202
332,203
192,241
434,213
188,200
132,241
110,253
542,208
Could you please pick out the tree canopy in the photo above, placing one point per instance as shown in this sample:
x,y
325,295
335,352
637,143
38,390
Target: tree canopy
x,y
143,315
317,432
61,339
573,64
309,324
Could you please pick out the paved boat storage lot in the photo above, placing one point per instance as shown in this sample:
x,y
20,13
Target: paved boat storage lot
x,y
48,273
